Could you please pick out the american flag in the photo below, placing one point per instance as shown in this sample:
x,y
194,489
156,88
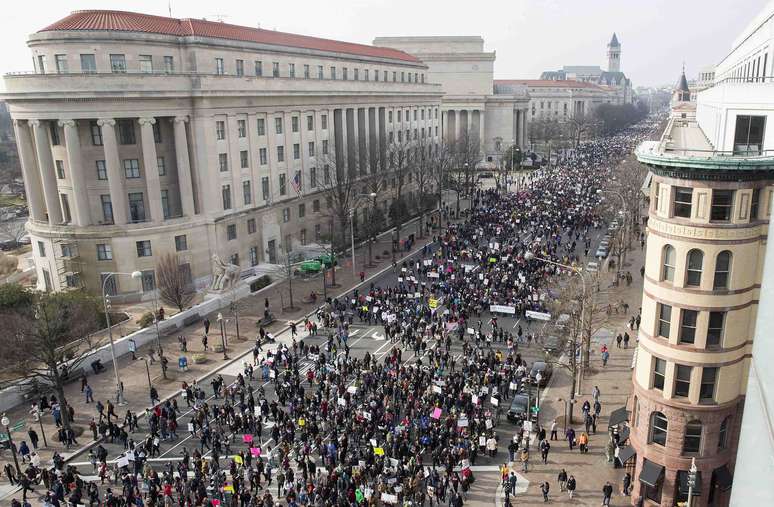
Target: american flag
x,y
297,183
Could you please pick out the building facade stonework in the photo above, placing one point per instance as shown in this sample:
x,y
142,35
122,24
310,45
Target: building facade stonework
x,y
142,135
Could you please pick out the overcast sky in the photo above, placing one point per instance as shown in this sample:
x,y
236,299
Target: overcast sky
x,y
529,36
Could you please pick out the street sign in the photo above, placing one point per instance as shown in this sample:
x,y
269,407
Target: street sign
x,y
535,410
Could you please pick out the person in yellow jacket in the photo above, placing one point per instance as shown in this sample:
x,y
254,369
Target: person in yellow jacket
x,y
583,442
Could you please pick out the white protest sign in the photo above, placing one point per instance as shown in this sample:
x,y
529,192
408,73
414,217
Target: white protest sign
x,y
494,401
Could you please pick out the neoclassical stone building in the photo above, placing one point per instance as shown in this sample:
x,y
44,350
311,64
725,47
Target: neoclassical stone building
x,y
141,135
710,207
472,101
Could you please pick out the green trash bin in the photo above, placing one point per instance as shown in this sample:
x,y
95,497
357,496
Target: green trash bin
x,y
311,267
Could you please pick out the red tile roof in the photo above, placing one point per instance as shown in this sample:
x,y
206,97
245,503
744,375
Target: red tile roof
x,y
548,83
121,21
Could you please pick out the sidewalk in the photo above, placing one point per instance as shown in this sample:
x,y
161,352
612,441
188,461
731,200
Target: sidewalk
x,y
134,375
591,470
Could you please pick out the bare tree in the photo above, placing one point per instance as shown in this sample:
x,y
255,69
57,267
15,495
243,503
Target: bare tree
x,y
13,229
174,286
578,125
399,164
468,154
45,337
423,177
441,163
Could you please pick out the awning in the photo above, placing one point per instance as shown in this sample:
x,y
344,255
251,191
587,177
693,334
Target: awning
x,y
626,453
651,473
723,478
624,435
682,478
618,416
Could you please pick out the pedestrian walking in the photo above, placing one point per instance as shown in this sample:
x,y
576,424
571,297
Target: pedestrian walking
x,y
544,489
562,480
571,485
553,430
627,483
525,460
607,493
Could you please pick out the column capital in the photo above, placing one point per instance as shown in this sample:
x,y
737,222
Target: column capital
x,y
146,121
181,119
66,123
110,122
35,123
19,123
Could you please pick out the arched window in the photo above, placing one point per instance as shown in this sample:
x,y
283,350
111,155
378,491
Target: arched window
x,y
692,438
723,434
668,266
693,268
658,428
722,270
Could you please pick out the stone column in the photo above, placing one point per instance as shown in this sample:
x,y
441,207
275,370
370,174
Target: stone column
x,y
183,166
114,171
457,124
524,128
481,130
30,172
77,176
469,123
47,175
151,168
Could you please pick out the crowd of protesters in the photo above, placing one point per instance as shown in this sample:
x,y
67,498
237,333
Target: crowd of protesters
x,y
309,423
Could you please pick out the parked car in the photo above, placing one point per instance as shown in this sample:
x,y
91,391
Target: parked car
x,y
519,408
9,244
601,252
544,369
552,345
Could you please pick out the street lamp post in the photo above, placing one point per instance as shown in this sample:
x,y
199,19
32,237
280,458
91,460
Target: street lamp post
x,y
5,422
147,372
222,334
579,375
106,302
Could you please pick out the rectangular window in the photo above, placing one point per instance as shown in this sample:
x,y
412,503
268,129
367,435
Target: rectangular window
x,y
118,63
301,210
707,389
376,75
156,132
319,72
165,204
302,236
715,328
333,73
169,64
131,168
243,159
313,177
278,125
247,194
41,64
60,172
748,136
326,175
357,74
126,132
683,198
722,203
682,380
144,248
101,170
107,209
365,74
283,184
310,122
261,126
148,280
226,196
104,252
219,68
242,128
294,123
664,320
258,68
754,204
280,153
223,162
162,166
250,226
286,215
659,373
324,121
316,205
146,63
136,207
181,243
61,63
317,232
88,64
275,69
220,130
253,255
262,155
292,70
306,71
41,249
311,149
240,68
345,73
231,232
265,188
688,326
296,151
325,146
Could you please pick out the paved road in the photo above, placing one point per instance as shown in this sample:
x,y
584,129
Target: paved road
x,y
363,339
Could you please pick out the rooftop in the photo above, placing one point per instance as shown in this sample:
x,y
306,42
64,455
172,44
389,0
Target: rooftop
x,y
547,83
121,21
